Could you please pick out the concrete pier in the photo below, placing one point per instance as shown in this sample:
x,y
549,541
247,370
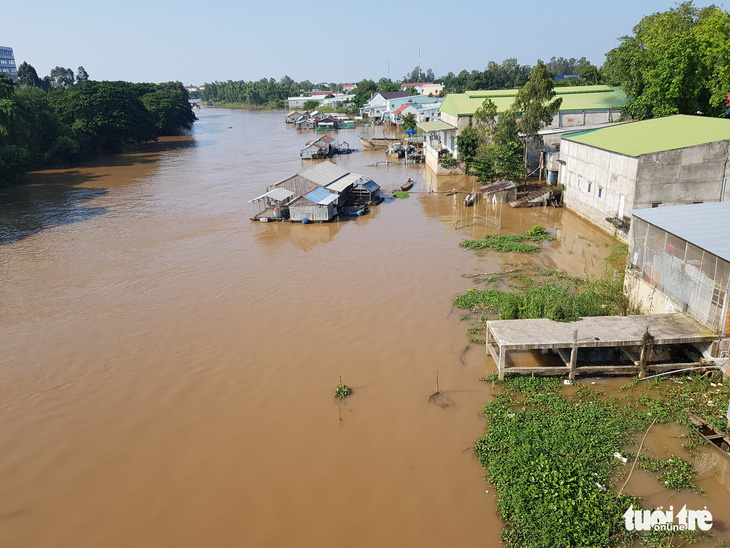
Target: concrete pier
x,y
627,333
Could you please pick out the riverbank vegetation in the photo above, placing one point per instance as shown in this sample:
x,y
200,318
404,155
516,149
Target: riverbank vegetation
x,y
59,120
503,242
556,473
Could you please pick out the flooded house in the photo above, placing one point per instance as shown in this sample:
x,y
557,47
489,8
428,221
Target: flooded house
x,y
500,192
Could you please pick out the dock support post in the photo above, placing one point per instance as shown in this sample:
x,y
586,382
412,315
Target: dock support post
x,y
500,365
573,356
644,351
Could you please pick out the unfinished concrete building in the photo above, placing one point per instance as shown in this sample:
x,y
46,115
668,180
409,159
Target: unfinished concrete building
x,y
665,161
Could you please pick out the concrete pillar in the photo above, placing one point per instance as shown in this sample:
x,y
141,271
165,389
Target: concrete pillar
x,y
500,365
573,356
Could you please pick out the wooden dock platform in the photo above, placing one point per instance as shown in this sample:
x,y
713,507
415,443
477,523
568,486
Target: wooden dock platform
x,y
631,334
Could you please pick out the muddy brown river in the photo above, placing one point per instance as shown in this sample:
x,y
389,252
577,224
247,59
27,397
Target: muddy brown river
x,y
167,367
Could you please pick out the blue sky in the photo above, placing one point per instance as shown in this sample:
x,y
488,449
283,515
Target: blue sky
x,y
337,41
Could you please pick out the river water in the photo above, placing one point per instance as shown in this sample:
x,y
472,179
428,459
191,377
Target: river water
x,y
168,366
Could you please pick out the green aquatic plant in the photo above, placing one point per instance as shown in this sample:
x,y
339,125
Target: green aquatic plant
x,y
342,391
511,243
400,194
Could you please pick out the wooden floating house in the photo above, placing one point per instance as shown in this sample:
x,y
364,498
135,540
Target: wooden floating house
x,y
316,194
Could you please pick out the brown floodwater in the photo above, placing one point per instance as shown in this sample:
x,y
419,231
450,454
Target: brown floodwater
x,y
168,366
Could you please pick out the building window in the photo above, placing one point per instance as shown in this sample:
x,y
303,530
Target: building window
x,y
655,204
580,180
589,186
600,191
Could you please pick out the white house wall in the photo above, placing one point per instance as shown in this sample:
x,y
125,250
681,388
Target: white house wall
x,y
586,170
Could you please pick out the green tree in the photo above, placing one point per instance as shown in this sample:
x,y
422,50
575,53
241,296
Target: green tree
x,y
467,143
61,78
676,62
536,103
498,161
27,76
409,121
105,115
589,75
311,104
170,108
81,75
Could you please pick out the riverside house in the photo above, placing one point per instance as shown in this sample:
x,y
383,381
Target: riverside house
x,y
582,106
649,164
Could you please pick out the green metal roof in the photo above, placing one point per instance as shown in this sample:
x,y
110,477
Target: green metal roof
x,y
657,135
436,125
575,98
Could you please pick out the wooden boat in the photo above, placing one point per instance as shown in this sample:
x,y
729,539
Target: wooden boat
x,y
407,186
710,434
469,199
377,142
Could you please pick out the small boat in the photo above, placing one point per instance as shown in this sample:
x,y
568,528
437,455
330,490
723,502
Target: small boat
x,y
377,142
710,434
469,199
407,186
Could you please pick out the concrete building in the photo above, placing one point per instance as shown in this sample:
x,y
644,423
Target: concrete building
x,y
679,261
581,106
665,161
7,62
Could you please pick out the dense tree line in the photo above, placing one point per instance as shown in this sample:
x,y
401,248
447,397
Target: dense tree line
x,y
263,93
676,62
64,117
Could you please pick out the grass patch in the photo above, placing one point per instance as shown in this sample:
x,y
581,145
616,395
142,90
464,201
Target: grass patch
x,y
504,243
561,298
400,194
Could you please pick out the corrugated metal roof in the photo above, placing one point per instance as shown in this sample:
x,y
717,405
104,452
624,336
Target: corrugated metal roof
x,y
320,196
324,173
657,135
705,225
575,98
343,182
371,186
498,186
436,125
278,194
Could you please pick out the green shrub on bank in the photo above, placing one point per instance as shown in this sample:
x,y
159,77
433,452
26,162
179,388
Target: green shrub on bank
x,y
564,299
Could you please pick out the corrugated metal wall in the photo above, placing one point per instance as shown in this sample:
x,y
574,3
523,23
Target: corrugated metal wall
x,y
695,279
312,212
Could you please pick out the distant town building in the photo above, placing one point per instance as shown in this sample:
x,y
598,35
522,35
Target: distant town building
x,y
7,62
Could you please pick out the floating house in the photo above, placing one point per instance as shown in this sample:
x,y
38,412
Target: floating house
x,y
336,190
295,115
315,149
316,205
